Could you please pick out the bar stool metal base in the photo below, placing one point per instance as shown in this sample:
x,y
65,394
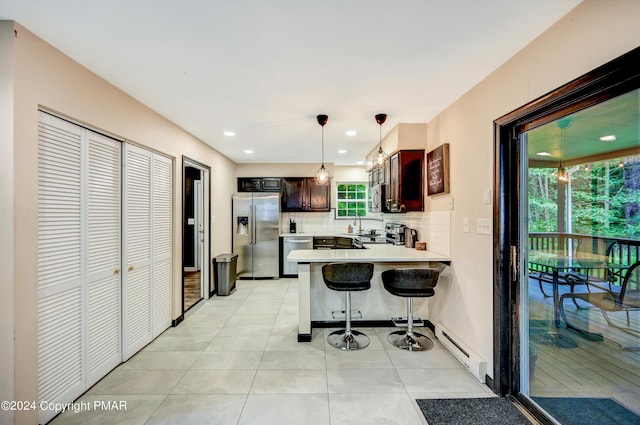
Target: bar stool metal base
x,y
411,342
354,340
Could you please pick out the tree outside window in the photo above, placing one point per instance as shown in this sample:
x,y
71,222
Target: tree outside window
x,y
605,198
352,200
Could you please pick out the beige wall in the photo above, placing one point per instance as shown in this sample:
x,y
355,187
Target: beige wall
x,y
591,35
280,170
45,78
7,305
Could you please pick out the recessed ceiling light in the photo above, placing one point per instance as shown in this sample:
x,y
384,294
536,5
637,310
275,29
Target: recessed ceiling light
x,y
351,133
543,154
342,151
609,138
360,163
248,151
229,133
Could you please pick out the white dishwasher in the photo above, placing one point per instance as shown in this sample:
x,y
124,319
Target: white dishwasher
x,y
291,243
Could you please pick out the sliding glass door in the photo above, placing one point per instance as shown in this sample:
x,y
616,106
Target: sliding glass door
x,y
567,300
582,203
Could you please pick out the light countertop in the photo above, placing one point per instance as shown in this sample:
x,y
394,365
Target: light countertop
x,y
373,252
311,234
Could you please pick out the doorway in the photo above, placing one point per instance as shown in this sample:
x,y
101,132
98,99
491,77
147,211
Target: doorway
x,y
567,226
196,269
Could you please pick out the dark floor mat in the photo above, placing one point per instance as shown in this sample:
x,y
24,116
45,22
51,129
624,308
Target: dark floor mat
x,y
471,411
587,411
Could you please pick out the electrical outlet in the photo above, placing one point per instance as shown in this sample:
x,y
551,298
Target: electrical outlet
x,y
466,225
484,226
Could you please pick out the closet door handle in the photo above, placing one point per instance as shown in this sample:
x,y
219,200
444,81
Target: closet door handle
x,y
116,271
130,268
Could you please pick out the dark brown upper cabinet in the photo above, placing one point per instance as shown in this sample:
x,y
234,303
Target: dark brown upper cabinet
x,y
302,194
404,190
259,184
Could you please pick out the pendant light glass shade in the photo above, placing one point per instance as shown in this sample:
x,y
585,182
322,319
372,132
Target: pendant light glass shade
x,y
380,119
380,156
563,123
322,176
562,174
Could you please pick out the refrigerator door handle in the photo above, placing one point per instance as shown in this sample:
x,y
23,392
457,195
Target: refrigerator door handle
x,y
254,224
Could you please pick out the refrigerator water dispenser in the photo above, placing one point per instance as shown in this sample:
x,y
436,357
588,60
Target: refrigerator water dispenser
x,y
243,223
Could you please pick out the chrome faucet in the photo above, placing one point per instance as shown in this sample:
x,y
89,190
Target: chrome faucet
x,y
358,218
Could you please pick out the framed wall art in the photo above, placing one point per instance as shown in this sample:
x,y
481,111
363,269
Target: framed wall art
x,y
438,170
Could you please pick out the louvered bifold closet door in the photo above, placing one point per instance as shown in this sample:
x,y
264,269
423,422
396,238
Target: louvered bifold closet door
x,y
59,263
162,195
78,260
103,325
137,327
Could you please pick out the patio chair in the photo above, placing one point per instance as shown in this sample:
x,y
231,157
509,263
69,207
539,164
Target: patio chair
x,y
626,299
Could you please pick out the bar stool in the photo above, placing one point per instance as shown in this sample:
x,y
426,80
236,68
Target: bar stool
x,y
348,277
410,283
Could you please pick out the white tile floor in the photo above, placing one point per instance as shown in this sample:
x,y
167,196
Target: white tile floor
x,y
236,361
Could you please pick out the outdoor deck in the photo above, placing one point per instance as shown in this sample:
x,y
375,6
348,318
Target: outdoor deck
x,y
592,369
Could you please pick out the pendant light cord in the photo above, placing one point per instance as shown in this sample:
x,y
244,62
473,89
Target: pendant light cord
x,y
322,153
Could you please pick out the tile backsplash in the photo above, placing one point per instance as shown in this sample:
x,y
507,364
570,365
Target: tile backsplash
x,y
433,227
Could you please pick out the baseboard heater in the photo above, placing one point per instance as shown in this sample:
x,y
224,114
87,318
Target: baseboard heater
x,y
471,360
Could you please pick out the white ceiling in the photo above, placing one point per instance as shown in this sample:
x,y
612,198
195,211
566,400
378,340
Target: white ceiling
x,y
265,69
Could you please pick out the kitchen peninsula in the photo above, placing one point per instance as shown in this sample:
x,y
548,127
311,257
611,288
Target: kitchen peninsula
x,y
316,302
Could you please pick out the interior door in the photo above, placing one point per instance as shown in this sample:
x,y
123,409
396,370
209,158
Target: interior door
x,y
78,260
59,263
162,243
199,224
196,186
137,331
103,282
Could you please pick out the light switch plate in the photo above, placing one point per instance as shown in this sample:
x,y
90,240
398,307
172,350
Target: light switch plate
x,y
466,224
484,226
487,197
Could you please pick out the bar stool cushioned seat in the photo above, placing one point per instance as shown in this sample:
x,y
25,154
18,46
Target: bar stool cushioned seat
x,y
348,277
410,283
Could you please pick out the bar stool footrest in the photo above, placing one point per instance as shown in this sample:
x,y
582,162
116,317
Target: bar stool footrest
x,y
340,315
402,322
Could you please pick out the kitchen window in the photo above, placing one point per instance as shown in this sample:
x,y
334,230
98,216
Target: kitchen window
x,y
352,199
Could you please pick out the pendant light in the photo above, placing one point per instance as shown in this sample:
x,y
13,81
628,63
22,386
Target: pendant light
x,y
563,123
380,119
322,176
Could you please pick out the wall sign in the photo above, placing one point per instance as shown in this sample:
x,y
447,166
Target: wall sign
x,y
438,170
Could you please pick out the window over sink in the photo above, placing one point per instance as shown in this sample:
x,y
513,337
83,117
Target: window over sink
x,y
351,199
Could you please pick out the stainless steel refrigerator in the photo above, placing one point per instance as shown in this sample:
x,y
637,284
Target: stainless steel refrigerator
x,y
256,229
